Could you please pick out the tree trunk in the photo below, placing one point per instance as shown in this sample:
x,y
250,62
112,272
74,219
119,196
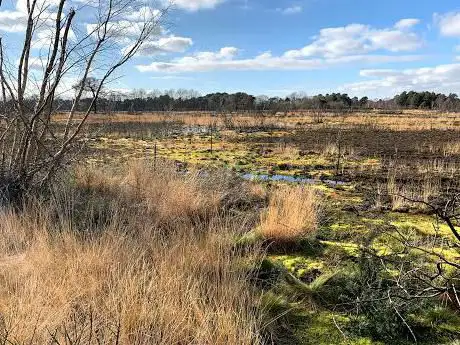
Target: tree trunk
x,y
95,101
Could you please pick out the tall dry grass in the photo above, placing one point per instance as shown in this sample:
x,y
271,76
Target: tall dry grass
x,y
138,257
292,214
410,120
413,194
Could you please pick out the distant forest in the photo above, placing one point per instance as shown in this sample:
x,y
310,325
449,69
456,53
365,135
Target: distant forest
x,y
189,100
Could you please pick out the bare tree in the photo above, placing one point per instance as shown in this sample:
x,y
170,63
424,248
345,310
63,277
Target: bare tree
x,y
443,277
91,85
411,270
33,146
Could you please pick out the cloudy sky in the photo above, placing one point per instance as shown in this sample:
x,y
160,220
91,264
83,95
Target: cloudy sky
x,y
275,47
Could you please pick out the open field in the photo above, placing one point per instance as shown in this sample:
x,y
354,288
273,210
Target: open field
x,y
415,119
364,168
189,228
168,175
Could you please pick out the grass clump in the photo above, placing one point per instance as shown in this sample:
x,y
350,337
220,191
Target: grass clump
x,y
292,214
157,270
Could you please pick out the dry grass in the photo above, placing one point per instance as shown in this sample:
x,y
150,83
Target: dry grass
x,y
451,148
171,197
284,151
161,268
439,166
334,150
408,120
410,195
291,214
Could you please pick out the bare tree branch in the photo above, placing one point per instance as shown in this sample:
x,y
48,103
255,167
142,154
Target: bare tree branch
x,y
32,147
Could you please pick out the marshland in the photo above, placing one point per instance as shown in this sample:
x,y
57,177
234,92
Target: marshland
x,y
186,217
218,228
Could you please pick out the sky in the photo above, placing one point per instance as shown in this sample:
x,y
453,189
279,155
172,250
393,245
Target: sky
x,y
276,47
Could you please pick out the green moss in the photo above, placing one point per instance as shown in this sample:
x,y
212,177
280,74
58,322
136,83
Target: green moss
x,y
249,238
325,328
351,249
422,224
438,319
373,221
302,267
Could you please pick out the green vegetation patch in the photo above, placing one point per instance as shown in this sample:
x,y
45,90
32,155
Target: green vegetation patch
x,y
306,269
422,224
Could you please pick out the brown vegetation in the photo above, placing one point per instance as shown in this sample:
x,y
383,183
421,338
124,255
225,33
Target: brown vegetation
x,y
291,214
159,265
408,120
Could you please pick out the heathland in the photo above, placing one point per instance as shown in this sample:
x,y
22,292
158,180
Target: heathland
x,y
241,228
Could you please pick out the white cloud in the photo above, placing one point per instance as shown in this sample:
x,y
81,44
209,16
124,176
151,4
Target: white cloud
x,y
265,55
128,26
377,72
195,5
172,77
406,23
226,53
354,43
142,14
16,20
360,39
448,23
290,10
164,45
35,63
123,31
226,59
13,21
21,5
441,78
44,37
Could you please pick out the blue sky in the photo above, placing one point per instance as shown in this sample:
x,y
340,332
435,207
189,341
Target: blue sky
x,y
362,47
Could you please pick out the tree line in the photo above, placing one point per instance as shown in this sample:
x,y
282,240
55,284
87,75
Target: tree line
x,y
190,100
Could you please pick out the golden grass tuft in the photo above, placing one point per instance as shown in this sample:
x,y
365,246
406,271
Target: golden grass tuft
x,y
173,195
150,274
292,214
